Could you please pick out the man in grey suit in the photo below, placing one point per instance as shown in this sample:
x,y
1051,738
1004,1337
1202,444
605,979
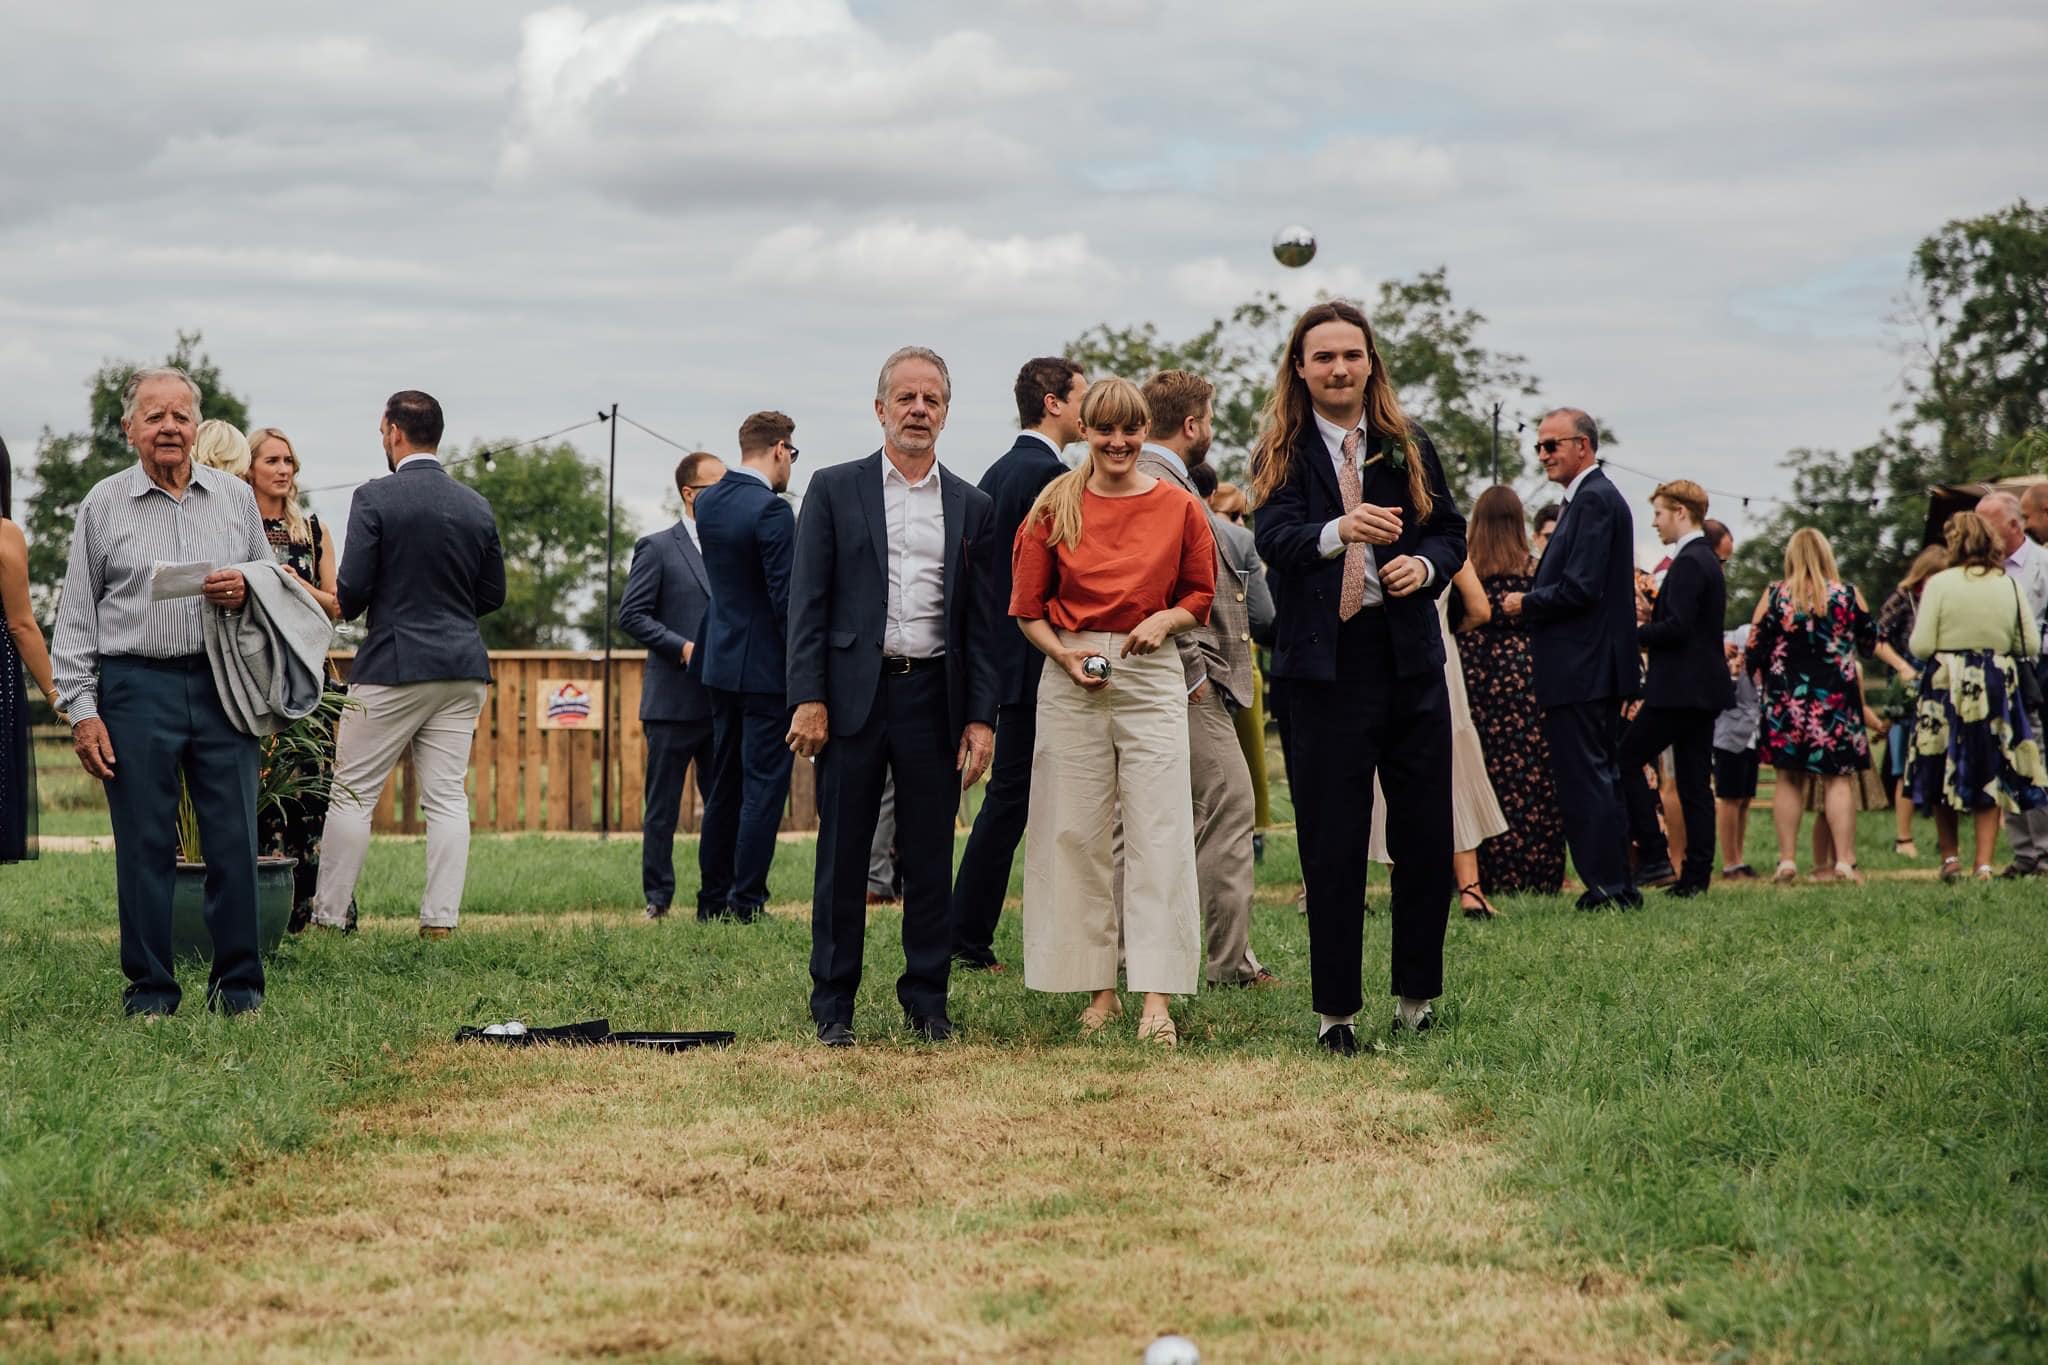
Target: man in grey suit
x,y
422,557
1218,662
667,594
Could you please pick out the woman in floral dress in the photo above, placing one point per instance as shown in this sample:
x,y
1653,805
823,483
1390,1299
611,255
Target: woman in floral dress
x,y
1500,687
1803,644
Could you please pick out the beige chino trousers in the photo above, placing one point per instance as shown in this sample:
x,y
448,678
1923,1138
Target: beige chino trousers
x,y
1124,747
437,720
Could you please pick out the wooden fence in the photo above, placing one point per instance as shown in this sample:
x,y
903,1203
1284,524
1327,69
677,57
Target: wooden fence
x,y
522,777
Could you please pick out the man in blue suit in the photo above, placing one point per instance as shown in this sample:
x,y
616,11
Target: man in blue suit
x,y
1582,617
892,610
667,594
1049,393
748,535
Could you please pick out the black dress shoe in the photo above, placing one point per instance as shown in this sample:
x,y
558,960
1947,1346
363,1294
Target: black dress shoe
x,y
1685,890
933,1028
1341,1039
836,1034
1628,898
1659,873
1595,899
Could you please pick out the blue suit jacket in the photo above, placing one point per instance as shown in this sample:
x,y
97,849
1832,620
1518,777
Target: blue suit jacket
x,y
839,597
1683,635
749,537
423,559
667,594
1013,483
1582,609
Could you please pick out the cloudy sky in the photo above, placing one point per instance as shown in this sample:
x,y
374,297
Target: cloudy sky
x,y
1693,221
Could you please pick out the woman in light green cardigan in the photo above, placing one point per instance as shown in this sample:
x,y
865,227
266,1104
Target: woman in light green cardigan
x,y
1974,748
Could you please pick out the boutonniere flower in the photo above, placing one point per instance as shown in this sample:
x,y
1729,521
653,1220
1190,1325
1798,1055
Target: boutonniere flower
x,y
1392,451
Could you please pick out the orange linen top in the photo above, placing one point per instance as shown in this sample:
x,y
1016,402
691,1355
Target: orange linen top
x,y
1138,555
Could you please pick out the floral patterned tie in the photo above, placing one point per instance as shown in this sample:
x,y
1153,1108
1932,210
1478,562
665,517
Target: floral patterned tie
x,y
1353,595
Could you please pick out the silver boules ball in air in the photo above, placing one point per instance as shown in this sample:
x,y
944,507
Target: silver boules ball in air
x,y
1294,247
1172,1350
1095,666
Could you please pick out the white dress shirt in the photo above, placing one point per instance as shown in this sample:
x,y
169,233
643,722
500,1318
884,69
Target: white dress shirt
x,y
915,627
2028,567
1573,487
1038,436
690,528
415,458
751,473
1330,543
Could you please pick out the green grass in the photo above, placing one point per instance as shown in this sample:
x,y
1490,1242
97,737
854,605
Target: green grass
x,y
1811,1119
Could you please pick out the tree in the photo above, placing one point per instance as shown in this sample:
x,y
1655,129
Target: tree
x,y
1444,377
67,466
1870,506
550,507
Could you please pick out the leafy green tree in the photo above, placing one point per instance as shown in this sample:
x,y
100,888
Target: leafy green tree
x,y
550,506
1870,505
1445,378
67,466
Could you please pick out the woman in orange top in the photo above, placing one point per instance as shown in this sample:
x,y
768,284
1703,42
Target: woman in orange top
x,y
1108,564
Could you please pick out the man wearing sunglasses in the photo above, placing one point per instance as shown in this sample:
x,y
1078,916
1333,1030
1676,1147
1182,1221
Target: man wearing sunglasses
x,y
1581,611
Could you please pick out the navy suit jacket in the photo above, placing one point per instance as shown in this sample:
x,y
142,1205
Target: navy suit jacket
x,y
1582,610
1013,483
1306,586
839,597
749,537
423,559
1683,635
667,594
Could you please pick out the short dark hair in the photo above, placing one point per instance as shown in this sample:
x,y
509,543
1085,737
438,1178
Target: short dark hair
x,y
1174,396
1203,477
1049,376
687,467
1717,532
417,416
1582,424
1547,515
762,430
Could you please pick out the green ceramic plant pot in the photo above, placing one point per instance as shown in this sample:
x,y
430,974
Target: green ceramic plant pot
x,y
273,907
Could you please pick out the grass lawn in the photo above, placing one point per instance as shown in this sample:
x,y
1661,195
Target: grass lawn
x,y
1801,1122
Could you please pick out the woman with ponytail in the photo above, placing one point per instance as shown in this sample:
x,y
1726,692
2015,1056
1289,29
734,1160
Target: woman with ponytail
x,y
1108,565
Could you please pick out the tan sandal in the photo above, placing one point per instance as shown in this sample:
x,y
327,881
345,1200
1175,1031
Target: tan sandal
x,y
1787,873
1158,1028
1095,1018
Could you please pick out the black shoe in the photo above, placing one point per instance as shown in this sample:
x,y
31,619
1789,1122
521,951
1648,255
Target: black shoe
x,y
657,912
2018,868
836,1034
1658,873
1685,890
933,1028
1595,899
302,915
978,964
1628,898
1419,1026
1341,1039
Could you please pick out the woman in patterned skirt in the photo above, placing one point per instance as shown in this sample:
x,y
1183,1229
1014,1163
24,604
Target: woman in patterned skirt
x,y
21,643
1974,747
1500,687
1803,644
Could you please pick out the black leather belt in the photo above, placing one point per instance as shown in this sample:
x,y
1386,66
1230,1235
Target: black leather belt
x,y
895,665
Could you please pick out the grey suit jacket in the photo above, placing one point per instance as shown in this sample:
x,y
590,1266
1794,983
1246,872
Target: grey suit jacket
x,y
423,559
1221,650
666,598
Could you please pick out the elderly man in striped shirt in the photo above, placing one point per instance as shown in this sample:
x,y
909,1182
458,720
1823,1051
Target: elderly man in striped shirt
x,y
132,673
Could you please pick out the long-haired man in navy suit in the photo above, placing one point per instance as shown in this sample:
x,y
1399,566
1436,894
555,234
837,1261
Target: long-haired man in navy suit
x,y
748,536
1582,617
1359,535
667,595
892,611
1049,393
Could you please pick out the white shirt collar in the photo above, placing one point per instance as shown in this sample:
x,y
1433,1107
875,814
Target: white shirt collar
x,y
1688,538
1168,455
1034,435
890,471
751,472
2027,551
1333,435
1571,489
690,530
415,458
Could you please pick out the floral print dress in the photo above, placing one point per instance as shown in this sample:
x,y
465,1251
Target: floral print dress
x,y
1806,674
1500,688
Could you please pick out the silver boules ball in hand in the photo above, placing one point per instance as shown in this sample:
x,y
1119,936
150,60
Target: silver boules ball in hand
x,y
1172,1350
1294,246
1095,666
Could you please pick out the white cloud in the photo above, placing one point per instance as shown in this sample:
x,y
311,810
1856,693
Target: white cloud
x,y
925,269
1217,283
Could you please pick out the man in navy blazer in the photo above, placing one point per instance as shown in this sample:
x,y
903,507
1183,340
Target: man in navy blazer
x,y
423,558
748,536
1049,393
892,610
667,594
1581,610
1686,689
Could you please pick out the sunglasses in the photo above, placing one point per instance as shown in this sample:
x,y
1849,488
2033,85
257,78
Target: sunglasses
x,y
792,451
1549,447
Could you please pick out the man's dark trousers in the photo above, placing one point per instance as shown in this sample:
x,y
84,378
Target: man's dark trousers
x,y
750,761
1689,734
672,746
984,876
905,734
1585,740
163,716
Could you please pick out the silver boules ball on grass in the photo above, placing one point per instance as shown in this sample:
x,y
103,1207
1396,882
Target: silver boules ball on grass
x,y
1172,1349
1294,247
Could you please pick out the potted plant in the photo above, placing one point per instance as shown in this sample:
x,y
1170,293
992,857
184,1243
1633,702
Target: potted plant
x,y
296,763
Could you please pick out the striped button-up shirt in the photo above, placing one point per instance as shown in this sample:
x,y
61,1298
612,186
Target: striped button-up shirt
x,y
126,527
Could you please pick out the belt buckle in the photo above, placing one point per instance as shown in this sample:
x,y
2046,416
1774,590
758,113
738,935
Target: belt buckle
x,y
895,665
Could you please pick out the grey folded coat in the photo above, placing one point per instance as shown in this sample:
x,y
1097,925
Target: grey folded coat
x,y
269,658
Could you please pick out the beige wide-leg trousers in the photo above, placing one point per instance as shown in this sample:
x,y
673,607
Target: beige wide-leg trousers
x,y
1123,746
437,720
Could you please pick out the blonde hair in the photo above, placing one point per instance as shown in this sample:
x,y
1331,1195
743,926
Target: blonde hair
x,y
1809,570
1925,565
1971,545
218,445
1228,498
296,528
1111,402
1687,494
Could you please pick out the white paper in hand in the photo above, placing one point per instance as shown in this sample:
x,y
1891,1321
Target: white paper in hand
x,y
169,580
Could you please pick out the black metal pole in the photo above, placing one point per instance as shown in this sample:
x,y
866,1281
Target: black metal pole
x,y
611,478
1496,442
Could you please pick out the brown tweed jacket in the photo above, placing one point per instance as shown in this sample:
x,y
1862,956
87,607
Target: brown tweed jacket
x,y
1221,651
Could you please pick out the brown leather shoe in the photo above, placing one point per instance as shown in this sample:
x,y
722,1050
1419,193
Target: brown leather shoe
x,y
436,931
877,898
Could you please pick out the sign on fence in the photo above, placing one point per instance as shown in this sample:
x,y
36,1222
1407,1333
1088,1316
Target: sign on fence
x,y
571,704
